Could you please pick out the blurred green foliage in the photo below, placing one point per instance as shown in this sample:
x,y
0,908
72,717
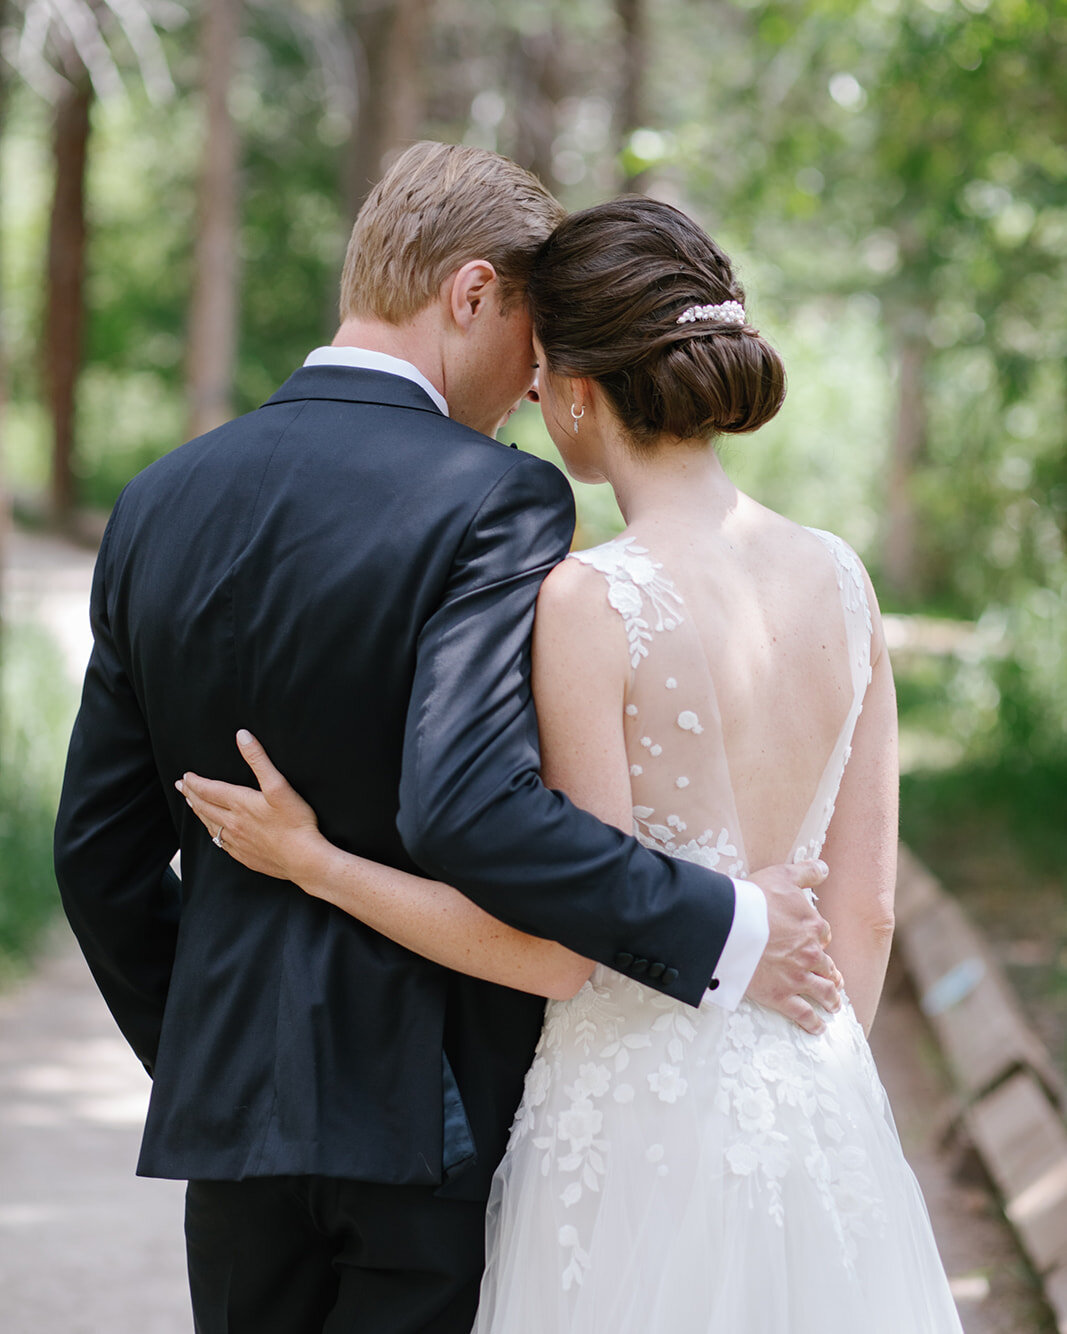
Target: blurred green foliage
x,y
36,713
882,170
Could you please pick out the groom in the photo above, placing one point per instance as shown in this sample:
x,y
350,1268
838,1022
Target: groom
x,y
350,572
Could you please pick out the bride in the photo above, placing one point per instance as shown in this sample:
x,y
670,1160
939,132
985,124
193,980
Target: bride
x,y
715,679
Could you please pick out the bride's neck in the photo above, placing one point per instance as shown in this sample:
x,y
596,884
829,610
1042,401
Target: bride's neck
x,y
672,480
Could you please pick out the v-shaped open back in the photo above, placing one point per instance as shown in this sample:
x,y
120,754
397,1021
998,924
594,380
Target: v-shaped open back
x,y
684,798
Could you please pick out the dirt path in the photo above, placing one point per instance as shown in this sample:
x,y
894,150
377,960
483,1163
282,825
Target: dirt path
x,y
47,580
87,1248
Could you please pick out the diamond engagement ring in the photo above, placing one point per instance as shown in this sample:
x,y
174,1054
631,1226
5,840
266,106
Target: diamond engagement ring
x,y
217,840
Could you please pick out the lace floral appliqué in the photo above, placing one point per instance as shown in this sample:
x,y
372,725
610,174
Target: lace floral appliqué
x,y
767,1066
632,577
635,1042
715,851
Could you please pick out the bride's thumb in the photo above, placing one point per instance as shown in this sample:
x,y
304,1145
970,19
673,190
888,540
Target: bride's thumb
x,y
255,756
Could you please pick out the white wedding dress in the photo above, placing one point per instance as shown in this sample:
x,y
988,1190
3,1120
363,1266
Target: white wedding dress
x,y
701,1171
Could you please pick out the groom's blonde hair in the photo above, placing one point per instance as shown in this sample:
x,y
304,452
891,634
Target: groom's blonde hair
x,y
436,208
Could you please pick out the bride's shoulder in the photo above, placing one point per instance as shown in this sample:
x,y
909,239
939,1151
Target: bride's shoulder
x,y
624,560
575,623
575,586
620,573
587,590
846,560
835,544
822,561
853,580
793,540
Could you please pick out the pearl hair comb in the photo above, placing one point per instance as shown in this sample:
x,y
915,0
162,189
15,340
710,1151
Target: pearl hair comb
x,y
726,312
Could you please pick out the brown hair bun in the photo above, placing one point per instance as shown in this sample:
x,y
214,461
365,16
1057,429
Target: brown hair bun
x,y
607,289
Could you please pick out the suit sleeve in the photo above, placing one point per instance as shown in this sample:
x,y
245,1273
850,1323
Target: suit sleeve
x,y
114,842
473,811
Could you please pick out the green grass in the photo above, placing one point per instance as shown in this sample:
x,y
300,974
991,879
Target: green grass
x,y
36,706
995,834
1018,808
984,805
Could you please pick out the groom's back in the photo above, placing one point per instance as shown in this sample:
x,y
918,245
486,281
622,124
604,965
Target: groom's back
x,y
276,575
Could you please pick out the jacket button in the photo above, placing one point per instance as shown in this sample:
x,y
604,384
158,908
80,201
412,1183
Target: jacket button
x,y
713,985
670,975
656,970
639,967
623,961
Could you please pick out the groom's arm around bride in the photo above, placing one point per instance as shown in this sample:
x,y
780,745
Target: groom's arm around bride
x,y
474,814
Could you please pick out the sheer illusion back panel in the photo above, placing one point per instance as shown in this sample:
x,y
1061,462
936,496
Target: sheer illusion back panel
x,y
736,753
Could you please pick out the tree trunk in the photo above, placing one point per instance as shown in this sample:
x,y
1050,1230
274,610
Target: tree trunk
x,y
5,501
903,565
538,82
387,43
212,351
630,113
65,293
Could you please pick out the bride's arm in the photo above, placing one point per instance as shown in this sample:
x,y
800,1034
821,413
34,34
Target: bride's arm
x,y
580,669
578,687
272,830
861,845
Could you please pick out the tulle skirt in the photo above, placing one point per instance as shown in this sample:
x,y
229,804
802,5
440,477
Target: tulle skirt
x,y
700,1172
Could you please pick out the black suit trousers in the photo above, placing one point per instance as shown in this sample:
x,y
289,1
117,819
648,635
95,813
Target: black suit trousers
x,y
314,1255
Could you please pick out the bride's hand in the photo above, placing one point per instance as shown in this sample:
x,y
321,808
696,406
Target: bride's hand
x,y
271,831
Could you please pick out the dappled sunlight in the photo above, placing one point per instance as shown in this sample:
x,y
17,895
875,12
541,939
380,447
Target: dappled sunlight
x,y
98,1082
969,1289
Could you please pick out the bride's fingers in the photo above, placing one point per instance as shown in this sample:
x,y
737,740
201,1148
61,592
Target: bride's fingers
x,y
212,817
257,759
209,790
285,805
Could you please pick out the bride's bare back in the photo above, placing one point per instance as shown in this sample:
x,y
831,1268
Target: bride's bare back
x,y
736,654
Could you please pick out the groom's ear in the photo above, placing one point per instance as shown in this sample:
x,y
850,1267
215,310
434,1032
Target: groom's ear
x,y
469,291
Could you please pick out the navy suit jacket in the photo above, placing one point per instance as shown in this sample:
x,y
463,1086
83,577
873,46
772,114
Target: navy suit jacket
x,y
352,576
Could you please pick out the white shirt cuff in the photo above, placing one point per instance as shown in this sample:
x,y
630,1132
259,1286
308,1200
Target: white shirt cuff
x,y
744,946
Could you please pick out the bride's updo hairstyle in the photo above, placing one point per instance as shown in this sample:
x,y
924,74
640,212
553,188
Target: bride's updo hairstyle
x,y
606,292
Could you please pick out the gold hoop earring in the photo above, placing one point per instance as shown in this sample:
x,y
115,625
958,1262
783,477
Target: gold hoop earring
x,y
577,416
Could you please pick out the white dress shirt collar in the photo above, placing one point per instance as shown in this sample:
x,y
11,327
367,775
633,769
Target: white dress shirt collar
x,y
361,358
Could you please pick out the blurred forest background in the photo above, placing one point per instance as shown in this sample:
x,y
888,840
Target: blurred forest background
x,y
178,178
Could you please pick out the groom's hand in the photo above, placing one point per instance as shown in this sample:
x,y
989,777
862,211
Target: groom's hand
x,y
795,973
